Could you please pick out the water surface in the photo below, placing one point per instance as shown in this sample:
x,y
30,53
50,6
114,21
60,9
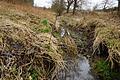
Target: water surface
x,y
77,69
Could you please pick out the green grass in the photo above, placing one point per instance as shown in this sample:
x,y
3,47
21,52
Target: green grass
x,y
45,30
45,22
34,74
104,70
47,27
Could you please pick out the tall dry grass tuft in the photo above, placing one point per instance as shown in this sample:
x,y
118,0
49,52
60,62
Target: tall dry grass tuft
x,y
109,34
71,46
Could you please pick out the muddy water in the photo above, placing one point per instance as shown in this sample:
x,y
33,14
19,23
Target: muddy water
x,y
77,69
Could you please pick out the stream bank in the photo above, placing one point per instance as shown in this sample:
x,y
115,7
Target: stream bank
x,y
84,36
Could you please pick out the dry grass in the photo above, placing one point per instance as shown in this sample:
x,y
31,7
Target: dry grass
x,y
71,46
111,36
26,53
40,12
107,30
24,50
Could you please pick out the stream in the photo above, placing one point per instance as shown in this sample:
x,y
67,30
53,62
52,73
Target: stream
x,y
77,68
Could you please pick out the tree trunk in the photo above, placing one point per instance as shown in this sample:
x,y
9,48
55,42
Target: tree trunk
x,y
69,2
68,7
104,8
118,5
74,7
118,8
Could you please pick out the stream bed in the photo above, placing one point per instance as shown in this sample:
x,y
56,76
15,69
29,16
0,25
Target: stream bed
x,y
76,69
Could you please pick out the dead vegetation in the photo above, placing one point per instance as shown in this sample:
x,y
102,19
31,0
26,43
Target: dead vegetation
x,y
110,37
104,28
28,51
22,49
40,12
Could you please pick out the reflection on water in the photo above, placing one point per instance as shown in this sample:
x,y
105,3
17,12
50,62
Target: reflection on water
x,y
62,32
77,69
